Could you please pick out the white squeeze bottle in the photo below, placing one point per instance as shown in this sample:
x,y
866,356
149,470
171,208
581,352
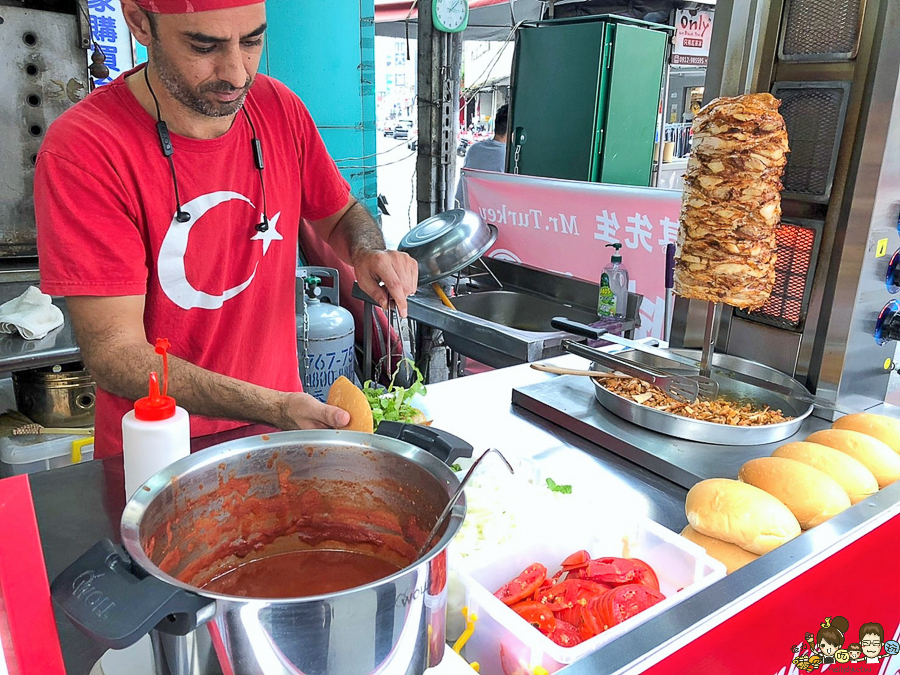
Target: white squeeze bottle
x,y
156,433
613,300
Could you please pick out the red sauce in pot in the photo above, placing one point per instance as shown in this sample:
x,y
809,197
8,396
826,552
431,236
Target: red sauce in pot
x,y
301,574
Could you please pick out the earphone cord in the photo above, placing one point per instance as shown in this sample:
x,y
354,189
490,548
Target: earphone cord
x,y
168,155
260,165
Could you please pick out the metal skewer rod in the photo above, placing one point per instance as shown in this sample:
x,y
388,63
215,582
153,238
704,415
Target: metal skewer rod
x,y
710,335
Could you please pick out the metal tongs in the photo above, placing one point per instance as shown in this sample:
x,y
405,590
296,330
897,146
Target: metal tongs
x,y
707,387
678,387
791,393
405,373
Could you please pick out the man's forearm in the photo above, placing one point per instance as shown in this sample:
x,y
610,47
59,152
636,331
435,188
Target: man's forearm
x,y
356,233
123,371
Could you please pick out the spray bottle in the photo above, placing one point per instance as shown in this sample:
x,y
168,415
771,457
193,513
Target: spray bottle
x,y
156,433
613,300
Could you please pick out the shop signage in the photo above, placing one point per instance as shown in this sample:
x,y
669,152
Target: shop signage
x,y
693,30
110,32
564,227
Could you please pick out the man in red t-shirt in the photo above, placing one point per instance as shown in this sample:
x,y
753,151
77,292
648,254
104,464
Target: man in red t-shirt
x,y
199,246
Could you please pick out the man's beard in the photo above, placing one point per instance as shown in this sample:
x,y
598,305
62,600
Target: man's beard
x,y
193,98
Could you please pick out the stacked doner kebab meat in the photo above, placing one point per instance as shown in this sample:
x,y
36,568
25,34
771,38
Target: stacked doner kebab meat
x,y
731,206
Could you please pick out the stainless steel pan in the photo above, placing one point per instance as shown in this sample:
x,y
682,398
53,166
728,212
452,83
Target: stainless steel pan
x,y
711,432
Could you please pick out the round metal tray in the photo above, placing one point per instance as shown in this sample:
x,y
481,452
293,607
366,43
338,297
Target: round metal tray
x,y
447,242
712,432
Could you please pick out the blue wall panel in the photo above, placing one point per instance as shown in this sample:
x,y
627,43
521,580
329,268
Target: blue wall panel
x,y
325,52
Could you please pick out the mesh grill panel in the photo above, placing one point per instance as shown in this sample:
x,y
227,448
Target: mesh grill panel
x,y
826,28
814,117
787,304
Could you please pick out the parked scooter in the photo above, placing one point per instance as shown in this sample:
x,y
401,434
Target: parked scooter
x,y
463,147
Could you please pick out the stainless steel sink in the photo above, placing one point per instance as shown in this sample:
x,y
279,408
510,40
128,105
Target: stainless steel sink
x,y
509,326
522,311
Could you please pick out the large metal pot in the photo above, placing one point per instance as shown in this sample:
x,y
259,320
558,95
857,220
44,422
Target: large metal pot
x,y
56,396
259,496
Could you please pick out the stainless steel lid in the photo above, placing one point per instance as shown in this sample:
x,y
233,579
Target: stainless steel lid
x,y
447,242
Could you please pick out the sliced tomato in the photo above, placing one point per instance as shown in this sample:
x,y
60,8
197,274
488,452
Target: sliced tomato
x,y
541,591
576,560
523,585
589,623
565,634
624,602
537,614
550,598
572,594
645,575
613,571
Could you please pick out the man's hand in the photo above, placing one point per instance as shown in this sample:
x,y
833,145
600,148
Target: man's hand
x,y
355,237
302,411
397,271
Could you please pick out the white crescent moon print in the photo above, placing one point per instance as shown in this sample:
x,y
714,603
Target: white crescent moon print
x,y
170,265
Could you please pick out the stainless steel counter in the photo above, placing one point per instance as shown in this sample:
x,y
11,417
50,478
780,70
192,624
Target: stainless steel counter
x,y
478,409
80,504
17,353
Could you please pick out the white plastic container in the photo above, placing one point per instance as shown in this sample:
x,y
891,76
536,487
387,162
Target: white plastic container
x,y
683,569
156,433
33,452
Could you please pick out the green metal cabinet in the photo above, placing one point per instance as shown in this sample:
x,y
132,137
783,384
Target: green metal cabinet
x,y
585,94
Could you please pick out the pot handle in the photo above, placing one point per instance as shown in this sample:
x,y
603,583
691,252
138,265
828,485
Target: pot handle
x,y
582,329
115,603
445,446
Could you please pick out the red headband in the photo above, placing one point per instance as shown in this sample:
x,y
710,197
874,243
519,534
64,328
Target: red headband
x,y
185,6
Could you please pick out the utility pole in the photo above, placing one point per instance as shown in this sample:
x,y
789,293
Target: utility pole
x,y
437,87
439,65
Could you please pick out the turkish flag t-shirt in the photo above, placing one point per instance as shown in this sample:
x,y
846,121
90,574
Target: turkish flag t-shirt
x,y
219,290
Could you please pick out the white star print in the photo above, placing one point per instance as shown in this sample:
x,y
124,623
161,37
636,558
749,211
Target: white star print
x,y
269,235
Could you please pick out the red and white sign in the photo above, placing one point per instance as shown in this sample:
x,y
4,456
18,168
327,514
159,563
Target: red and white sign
x,y
564,226
693,30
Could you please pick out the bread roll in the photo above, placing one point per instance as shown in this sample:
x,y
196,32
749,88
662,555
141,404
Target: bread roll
x,y
878,458
733,557
885,429
347,396
740,514
812,496
857,481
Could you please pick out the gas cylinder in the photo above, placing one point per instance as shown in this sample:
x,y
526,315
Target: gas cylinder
x,y
325,332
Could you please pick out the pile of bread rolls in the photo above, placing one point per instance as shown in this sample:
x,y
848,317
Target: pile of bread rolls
x,y
800,486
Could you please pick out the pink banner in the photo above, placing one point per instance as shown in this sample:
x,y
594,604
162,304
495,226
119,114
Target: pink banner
x,y
564,226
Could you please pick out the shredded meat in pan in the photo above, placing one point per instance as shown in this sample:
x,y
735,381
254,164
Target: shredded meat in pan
x,y
719,410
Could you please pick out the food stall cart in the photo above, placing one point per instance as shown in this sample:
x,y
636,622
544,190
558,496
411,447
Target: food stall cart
x,y
836,291
77,505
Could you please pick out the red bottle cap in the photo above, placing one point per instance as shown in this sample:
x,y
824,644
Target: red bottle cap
x,y
157,406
